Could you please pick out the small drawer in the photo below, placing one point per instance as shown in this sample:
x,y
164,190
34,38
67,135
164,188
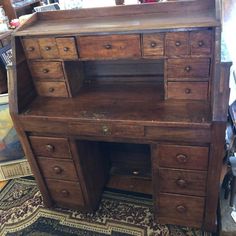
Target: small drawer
x,y
65,193
48,48
183,157
67,48
107,130
182,181
52,89
57,168
31,47
188,90
201,42
182,69
50,147
153,45
177,44
47,70
181,210
109,47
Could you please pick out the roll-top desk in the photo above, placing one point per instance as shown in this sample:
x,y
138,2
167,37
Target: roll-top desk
x,y
128,97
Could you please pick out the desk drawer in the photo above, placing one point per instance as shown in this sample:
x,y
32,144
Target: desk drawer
x,y
110,46
47,70
57,168
181,210
188,90
107,130
153,45
67,48
188,68
31,47
52,89
183,181
50,147
48,48
183,157
65,193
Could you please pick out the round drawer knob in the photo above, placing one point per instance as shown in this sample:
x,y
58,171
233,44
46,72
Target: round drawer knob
x,y
47,48
188,68
65,193
177,43
30,49
181,209
66,49
181,158
200,43
182,183
187,90
57,169
51,90
153,44
105,130
45,71
50,148
108,46
135,172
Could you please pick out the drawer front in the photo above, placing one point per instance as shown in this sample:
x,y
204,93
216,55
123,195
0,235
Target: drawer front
x,y
65,193
188,90
112,46
50,147
107,130
48,48
181,210
67,48
183,181
183,157
201,42
153,45
47,70
31,47
177,44
188,68
57,169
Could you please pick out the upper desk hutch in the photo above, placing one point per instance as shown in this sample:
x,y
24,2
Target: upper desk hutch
x,y
128,97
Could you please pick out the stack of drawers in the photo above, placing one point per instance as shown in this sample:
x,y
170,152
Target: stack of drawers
x,y
181,174
57,167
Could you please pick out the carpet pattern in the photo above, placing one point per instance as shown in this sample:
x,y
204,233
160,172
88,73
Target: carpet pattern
x,y
22,213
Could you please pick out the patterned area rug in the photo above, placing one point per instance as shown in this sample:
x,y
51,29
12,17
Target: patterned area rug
x,y
22,213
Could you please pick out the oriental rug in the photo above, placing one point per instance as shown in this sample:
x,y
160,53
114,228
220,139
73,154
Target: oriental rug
x,y
22,213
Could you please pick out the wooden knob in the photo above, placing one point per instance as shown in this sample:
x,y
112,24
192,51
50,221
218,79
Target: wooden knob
x,y
153,44
66,49
51,90
135,172
50,148
108,46
181,158
30,49
47,48
105,130
65,193
181,183
200,43
57,169
45,71
188,68
181,209
187,90
177,43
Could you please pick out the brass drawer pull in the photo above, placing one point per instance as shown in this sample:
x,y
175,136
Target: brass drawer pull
x,y
187,90
47,48
177,43
200,43
57,169
45,71
106,130
181,158
65,193
181,209
108,46
30,49
181,183
66,49
153,44
135,172
50,148
51,90
188,68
